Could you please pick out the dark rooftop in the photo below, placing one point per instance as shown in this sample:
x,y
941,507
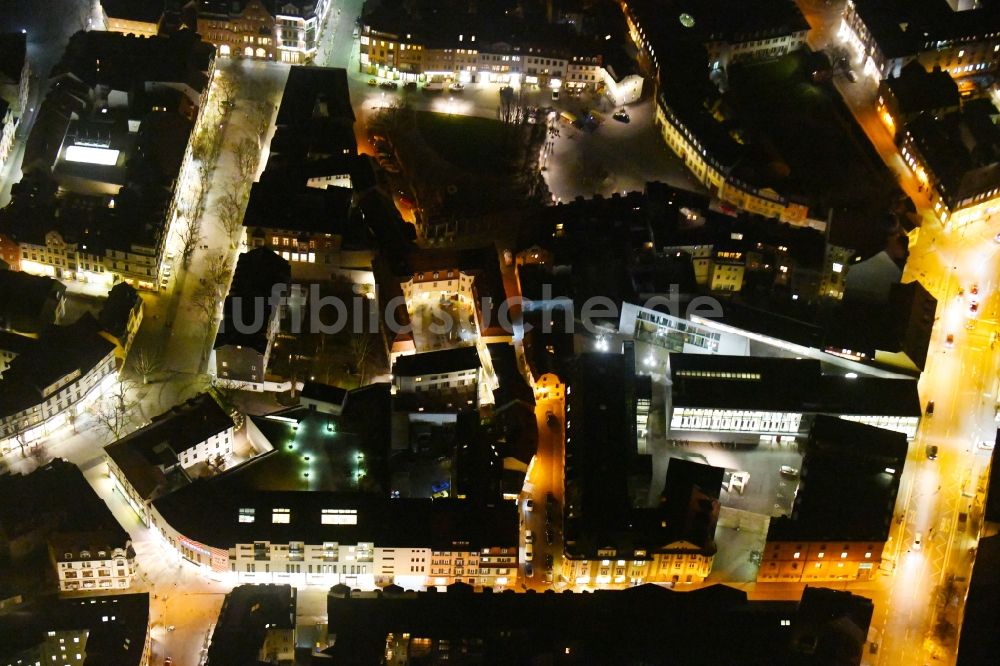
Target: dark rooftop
x,y
60,351
13,51
247,614
717,381
850,477
437,362
115,313
916,90
708,626
169,434
25,297
257,273
399,523
117,627
281,200
54,498
313,93
148,11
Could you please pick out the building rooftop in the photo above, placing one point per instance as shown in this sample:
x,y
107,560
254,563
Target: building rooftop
x,y
916,90
281,200
13,51
442,361
147,11
16,343
28,299
907,27
247,614
716,381
117,310
126,60
115,627
257,274
400,523
712,625
60,351
313,93
145,455
54,498
979,642
849,479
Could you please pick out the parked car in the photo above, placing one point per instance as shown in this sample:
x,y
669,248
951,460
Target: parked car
x,y
789,471
555,94
372,82
410,85
621,115
529,570
929,411
441,494
932,452
528,552
388,85
917,541
528,536
456,87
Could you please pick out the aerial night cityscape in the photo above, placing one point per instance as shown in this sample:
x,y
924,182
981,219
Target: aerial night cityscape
x,y
500,332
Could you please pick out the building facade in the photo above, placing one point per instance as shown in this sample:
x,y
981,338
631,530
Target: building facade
x,y
95,566
248,29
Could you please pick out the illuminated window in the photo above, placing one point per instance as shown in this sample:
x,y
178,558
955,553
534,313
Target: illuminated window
x,y
843,555
796,556
868,555
820,555
246,515
281,516
339,517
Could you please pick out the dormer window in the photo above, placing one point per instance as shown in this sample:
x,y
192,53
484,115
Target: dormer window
x,y
85,554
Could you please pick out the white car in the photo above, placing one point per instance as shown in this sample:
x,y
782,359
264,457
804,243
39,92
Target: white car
x,y
529,537
917,540
528,554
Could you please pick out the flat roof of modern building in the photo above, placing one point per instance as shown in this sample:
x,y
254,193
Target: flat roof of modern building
x,y
850,478
402,523
716,381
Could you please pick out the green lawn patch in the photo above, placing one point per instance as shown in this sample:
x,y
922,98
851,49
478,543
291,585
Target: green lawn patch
x,y
475,145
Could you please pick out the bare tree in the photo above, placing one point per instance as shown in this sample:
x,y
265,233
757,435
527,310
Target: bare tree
x,y
230,206
114,411
190,237
206,300
247,153
259,116
362,345
228,87
145,361
510,111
